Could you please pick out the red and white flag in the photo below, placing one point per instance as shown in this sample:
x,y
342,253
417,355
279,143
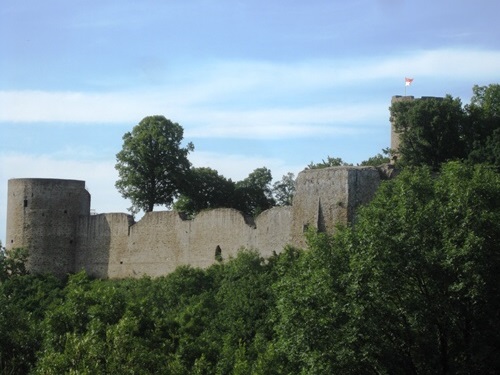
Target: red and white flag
x,y
408,81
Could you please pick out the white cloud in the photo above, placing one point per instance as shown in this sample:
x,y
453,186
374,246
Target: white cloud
x,y
461,64
280,123
256,99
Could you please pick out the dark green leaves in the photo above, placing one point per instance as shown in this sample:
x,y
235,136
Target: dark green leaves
x,y
152,165
435,130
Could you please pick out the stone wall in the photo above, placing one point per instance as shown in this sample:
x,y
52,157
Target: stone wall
x,y
42,216
102,244
111,245
63,237
327,197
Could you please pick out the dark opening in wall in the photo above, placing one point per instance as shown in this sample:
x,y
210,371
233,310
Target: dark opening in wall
x,y
25,203
218,254
65,211
70,241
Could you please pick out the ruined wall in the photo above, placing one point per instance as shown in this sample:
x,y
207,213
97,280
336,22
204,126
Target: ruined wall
x,y
156,244
102,244
56,226
111,245
274,230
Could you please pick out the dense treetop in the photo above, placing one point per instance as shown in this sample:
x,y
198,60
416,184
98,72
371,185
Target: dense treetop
x,y
152,164
435,130
154,170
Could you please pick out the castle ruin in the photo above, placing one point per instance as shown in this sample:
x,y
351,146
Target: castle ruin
x,y
53,220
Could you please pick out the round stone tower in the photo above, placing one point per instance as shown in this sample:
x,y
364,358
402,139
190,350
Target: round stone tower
x,y
42,216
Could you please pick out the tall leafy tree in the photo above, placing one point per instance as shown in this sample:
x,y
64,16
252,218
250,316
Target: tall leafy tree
x,y
310,311
243,301
424,280
152,164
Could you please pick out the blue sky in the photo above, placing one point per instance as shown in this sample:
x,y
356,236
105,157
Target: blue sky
x,y
253,83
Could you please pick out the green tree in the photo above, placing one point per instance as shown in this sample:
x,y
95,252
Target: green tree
x,y
329,162
310,315
13,262
24,300
487,151
425,273
152,165
431,130
254,194
284,189
243,301
379,159
206,189
483,132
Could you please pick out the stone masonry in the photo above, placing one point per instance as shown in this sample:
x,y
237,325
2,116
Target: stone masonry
x,y
52,219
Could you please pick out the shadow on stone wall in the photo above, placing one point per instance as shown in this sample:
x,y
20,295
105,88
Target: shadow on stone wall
x,y
96,235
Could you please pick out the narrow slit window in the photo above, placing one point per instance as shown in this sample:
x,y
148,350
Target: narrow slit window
x,y
25,203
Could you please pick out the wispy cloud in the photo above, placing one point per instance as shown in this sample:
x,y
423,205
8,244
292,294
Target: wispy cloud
x,y
224,99
312,121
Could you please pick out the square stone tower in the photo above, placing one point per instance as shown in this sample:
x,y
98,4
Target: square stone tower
x,y
330,196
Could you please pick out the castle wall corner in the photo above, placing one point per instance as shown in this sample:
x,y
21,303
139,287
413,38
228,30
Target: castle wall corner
x,y
327,197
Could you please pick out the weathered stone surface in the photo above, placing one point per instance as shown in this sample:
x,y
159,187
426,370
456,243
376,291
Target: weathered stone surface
x,y
42,216
52,219
329,196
